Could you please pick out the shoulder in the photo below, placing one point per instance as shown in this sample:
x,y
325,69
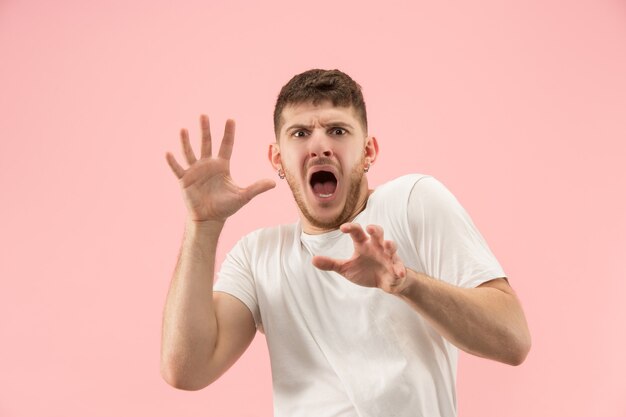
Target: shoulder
x,y
398,190
416,196
407,181
390,204
429,193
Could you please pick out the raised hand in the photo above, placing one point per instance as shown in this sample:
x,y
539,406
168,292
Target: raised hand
x,y
208,189
374,263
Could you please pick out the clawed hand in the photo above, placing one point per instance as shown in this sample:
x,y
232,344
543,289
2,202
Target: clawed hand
x,y
208,189
375,262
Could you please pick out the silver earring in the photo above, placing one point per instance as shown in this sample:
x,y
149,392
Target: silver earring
x,y
367,168
281,174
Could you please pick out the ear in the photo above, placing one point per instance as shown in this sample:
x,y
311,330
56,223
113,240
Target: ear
x,y
273,154
371,149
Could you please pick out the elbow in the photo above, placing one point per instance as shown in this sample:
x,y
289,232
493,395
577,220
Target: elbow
x,y
178,379
520,350
517,358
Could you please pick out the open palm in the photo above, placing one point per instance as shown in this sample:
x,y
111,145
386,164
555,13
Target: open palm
x,y
208,189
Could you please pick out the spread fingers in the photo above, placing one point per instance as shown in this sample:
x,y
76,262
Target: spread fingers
x,y
187,151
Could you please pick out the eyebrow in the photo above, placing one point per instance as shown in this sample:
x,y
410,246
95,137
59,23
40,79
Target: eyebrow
x,y
333,124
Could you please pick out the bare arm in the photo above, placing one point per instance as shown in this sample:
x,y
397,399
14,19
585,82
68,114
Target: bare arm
x,y
486,321
204,333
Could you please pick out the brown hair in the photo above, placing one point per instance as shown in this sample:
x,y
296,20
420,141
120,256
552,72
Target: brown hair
x,y
316,86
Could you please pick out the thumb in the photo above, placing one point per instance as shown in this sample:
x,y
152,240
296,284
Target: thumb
x,y
258,187
326,264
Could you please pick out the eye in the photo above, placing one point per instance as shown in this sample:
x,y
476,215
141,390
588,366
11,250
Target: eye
x,y
299,134
339,131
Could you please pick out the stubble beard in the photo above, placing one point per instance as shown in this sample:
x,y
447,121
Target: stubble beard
x,y
354,180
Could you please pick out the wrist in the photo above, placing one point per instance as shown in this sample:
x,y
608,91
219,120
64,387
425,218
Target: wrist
x,y
204,227
408,283
399,281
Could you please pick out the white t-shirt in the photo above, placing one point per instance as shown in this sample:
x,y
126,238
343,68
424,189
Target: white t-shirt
x,y
338,349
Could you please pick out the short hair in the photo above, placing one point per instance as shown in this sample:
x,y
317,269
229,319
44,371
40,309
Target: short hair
x,y
316,86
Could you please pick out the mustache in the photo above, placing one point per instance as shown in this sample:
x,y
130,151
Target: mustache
x,y
322,160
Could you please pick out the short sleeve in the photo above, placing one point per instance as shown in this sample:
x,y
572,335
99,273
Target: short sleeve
x,y
449,245
236,278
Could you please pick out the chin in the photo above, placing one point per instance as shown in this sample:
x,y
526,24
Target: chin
x,y
331,224
325,201
328,222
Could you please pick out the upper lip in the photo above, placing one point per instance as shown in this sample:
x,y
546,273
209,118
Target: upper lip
x,y
322,164
325,167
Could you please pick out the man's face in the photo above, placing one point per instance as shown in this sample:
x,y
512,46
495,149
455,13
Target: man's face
x,y
324,150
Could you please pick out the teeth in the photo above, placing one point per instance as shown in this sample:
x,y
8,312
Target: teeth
x,y
324,195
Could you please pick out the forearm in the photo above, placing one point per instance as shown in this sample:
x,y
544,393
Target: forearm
x,y
189,323
484,321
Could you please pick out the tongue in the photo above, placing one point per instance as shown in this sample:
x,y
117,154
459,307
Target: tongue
x,y
327,187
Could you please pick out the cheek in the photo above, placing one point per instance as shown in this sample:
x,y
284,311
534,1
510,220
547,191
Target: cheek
x,y
293,165
355,161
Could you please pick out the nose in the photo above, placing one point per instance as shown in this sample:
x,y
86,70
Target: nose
x,y
320,145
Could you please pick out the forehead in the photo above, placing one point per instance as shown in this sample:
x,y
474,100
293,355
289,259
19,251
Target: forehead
x,y
322,113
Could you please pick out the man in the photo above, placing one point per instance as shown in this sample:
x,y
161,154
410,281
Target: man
x,y
364,301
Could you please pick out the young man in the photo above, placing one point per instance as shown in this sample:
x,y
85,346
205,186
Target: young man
x,y
364,301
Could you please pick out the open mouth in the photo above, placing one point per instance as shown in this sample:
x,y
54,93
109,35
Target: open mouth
x,y
323,183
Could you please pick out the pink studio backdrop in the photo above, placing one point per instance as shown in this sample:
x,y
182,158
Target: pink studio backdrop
x,y
518,107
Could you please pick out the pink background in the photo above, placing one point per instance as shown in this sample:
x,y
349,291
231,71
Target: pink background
x,y
518,107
